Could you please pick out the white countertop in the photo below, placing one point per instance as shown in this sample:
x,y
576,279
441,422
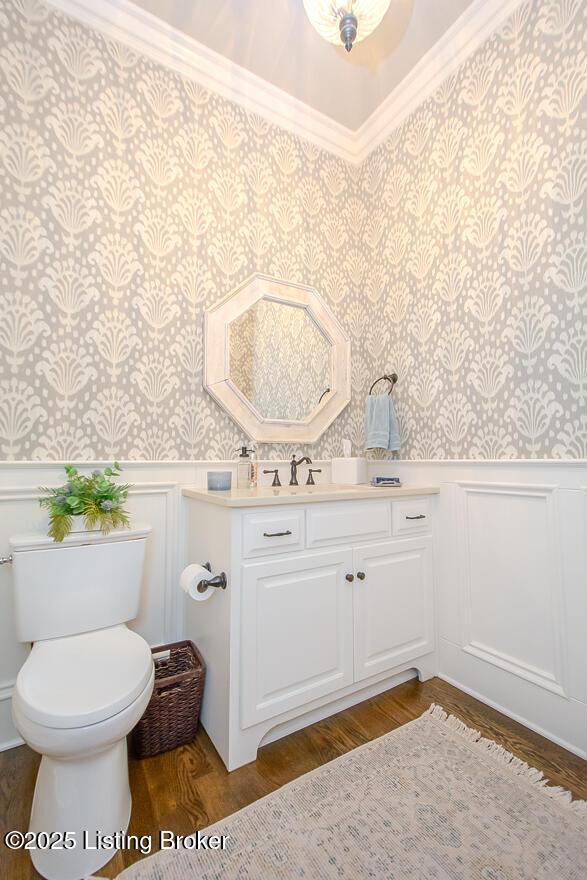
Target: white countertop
x,y
266,496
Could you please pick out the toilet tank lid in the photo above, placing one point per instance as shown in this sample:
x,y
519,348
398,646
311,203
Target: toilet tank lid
x,y
41,541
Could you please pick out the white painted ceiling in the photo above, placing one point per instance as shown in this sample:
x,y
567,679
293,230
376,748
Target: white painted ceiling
x,y
274,39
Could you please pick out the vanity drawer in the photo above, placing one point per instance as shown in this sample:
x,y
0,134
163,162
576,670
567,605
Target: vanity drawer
x,y
275,532
349,520
411,516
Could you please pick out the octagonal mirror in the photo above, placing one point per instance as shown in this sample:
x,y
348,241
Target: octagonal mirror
x,y
277,360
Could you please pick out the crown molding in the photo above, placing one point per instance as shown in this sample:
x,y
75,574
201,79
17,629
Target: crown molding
x,y
148,35
125,22
477,23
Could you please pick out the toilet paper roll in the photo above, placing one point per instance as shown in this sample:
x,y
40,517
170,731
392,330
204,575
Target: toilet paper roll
x,y
191,577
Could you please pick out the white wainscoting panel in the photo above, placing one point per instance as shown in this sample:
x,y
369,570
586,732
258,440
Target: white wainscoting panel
x,y
511,593
157,504
573,542
511,579
19,512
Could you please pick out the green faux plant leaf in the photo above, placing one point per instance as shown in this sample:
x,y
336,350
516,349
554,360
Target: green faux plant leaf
x,y
95,497
59,526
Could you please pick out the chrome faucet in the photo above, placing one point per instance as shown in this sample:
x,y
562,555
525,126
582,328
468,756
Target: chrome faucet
x,y
294,468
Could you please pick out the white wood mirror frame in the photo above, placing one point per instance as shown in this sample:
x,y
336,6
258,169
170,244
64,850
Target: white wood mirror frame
x,y
217,379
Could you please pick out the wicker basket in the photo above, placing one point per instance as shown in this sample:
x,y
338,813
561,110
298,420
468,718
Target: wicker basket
x,y
171,718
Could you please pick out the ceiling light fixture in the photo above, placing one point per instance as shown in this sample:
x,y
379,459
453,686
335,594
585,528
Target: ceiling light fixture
x,y
346,21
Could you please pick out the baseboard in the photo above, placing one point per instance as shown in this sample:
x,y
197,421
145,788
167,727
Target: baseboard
x,y
11,744
514,716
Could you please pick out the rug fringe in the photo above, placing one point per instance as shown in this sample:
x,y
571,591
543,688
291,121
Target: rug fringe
x,y
516,765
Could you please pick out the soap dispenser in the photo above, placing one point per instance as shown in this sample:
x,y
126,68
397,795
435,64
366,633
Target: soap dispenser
x,y
246,469
242,469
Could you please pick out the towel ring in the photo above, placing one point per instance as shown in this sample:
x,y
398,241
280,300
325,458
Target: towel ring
x,y
391,378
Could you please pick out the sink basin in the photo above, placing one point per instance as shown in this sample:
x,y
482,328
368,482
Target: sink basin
x,y
320,488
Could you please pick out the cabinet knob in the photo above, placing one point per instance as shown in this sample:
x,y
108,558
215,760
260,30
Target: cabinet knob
x,y
350,578
361,575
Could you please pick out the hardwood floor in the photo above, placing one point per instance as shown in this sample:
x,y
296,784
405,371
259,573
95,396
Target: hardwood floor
x,y
189,788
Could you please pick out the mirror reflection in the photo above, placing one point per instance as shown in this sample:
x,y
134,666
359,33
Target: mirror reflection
x,y
280,360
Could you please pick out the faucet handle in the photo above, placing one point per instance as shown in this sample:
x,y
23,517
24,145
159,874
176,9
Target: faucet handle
x,y
311,471
275,472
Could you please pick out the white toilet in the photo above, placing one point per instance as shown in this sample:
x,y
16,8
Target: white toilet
x,y
84,686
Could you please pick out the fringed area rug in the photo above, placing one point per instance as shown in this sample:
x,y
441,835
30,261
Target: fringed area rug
x,y
431,800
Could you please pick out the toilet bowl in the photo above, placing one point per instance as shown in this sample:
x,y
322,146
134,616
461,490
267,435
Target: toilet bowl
x,y
81,690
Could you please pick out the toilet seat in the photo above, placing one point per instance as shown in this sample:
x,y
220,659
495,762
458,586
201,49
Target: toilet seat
x,y
83,679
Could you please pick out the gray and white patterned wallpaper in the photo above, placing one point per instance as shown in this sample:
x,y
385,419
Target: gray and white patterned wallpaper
x,y
478,249
131,199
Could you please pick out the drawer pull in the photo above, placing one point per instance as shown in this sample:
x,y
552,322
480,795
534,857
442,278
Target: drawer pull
x,y
276,534
350,578
420,516
361,575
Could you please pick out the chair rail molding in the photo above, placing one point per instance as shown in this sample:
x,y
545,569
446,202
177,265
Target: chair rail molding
x,y
533,525
122,20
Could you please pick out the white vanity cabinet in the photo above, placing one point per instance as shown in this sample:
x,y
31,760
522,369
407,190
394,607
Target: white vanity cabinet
x,y
326,606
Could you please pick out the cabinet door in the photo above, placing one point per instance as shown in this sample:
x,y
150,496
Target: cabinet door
x,y
393,604
297,632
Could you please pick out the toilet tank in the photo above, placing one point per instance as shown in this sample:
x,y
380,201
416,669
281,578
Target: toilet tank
x,y
87,582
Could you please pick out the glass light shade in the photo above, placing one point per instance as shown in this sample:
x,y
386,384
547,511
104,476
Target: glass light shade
x,y
325,16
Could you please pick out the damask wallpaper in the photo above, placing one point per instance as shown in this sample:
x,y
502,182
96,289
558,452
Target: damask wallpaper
x,y
478,252
131,199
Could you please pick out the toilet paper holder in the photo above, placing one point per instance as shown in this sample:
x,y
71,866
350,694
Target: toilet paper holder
x,y
218,580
